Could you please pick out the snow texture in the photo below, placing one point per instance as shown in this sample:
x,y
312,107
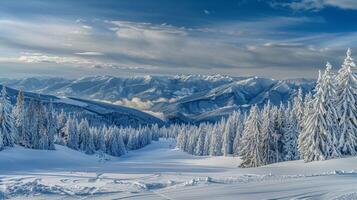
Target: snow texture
x,y
159,171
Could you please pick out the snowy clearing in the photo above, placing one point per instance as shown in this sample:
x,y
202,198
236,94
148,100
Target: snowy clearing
x,y
159,171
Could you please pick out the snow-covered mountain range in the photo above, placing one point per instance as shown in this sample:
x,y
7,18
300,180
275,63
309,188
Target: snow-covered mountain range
x,y
181,98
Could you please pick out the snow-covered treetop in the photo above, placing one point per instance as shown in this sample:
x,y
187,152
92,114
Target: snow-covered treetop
x,y
328,67
348,62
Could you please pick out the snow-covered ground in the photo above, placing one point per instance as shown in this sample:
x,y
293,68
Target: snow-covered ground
x,y
159,171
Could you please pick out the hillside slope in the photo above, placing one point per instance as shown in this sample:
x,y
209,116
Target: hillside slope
x,y
106,113
160,172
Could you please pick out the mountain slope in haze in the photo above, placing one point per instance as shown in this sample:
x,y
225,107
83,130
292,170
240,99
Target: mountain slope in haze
x,y
98,112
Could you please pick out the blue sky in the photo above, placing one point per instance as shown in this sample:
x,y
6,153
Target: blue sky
x,y
272,38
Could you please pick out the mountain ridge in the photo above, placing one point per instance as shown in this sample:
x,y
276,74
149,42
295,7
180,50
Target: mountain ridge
x,y
180,98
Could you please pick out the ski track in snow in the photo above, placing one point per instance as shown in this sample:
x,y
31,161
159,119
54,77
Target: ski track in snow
x,y
159,172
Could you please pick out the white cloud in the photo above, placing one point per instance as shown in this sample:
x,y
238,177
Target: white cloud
x,y
43,58
319,4
146,31
135,103
90,53
87,27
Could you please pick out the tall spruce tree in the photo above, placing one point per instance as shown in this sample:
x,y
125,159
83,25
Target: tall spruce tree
x,y
7,124
268,142
252,153
238,134
315,141
298,108
18,114
72,132
291,136
346,103
86,142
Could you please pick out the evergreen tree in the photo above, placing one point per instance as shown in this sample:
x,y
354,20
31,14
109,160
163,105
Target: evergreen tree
x,y
315,141
238,134
298,108
7,124
252,153
1,142
86,142
331,115
291,138
72,132
42,125
216,140
280,127
132,140
346,101
99,141
199,149
207,142
229,133
115,144
61,136
268,142
181,139
51,126
32,125
18,114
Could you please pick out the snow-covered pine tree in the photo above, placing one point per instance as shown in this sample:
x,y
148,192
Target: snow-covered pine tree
x,y
1,142
155,132
252,154
181,139
280,127
192,139
346,102
115,144
18,114
61,137
239,133
277,115
43,140
99,139
71,131
199,149
268,142
331,114
216,139
132,139
315,141
86,143
229,133
298,107
7,124
307,105
291,138
207,142
32,119
51,126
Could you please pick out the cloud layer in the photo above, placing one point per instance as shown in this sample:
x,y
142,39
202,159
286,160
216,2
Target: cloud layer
x,y
317,5
262,46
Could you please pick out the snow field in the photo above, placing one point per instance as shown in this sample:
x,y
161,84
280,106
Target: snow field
x,y
158,171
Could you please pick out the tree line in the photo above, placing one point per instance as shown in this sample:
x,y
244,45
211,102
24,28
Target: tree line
x,y
309,127
36,125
